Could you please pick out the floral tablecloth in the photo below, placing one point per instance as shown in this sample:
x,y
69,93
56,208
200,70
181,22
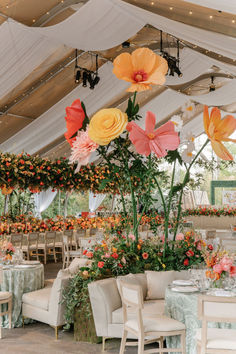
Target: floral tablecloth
x,y
19,281
184,307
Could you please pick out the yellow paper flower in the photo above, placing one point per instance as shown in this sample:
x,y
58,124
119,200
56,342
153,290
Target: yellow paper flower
x,y
106,125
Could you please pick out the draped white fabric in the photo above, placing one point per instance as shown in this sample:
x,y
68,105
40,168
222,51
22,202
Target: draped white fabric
x,y
21,52
108,23
51,125
225,5
42,201
95,200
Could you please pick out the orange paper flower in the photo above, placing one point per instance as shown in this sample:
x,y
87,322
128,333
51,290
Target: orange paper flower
x,y
219,130
142,68
74,120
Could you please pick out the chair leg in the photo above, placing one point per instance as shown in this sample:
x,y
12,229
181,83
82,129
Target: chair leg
x,y
104,343
183,343
10,312
123,342
28,256
54,254
56,332
141,345
45,256
23,321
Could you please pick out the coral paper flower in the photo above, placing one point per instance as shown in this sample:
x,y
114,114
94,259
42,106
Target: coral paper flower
x,y
142,68
74,120
81,149
219,130
150,140
106,125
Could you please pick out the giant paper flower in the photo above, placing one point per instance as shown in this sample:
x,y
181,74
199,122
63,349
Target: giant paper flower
x,y
81,149
74,120
142,68
151,140
106,125
219,130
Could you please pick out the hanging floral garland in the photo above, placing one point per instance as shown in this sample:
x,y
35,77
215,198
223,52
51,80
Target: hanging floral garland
x,y
25,171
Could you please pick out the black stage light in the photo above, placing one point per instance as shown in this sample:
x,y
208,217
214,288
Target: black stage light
x,y
85,77
126,44
77,76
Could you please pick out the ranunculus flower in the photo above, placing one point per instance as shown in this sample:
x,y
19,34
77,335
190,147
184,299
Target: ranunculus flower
x,y
179,237
132,237
89,254
106,125
114,255
145,255
210,247
233,271
82,147
226,263
153,140
74,120
219,130
218,268
142,68
189,253
101,264
186,262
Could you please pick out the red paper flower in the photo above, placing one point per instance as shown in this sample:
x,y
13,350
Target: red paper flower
x,y
115,255
74,120
100,264
186,262
189,253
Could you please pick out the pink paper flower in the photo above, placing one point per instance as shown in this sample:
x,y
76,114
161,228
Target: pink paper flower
x,y
179,237
151,140
218,268
226,263
81,149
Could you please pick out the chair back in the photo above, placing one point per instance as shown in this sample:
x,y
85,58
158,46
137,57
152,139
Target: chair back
x,y
50,237
67,243
68,232
33,238
215,309
86,242
132,298
16,239
210,234
93,231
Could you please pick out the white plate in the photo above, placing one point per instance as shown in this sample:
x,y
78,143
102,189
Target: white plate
x,y
221,292
24,266
182,282
185,289
30,262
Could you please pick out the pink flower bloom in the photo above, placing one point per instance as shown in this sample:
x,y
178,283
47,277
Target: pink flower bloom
x,y
150,140
179,237
226,263
81,149
107,255
218,268
132,237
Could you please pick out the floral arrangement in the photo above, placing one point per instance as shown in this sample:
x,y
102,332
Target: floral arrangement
x,y
219,264
6,250
133,152
210,211
120,254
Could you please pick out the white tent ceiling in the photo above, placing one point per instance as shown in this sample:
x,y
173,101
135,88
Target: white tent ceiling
x,y
99,25
220,5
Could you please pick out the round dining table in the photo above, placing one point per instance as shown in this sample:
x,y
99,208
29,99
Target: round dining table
x,y
184,308
20,279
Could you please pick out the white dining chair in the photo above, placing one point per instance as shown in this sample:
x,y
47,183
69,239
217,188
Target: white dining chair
x,y
48,246
32,245
144,327
68,253
216,340
5,299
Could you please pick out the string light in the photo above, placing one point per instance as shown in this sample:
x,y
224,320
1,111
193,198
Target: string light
x,y
233,21
47,12
211,17
190,12
152,3
34,20
171,8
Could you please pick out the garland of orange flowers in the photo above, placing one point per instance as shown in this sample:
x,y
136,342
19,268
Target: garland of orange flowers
x,y
25,171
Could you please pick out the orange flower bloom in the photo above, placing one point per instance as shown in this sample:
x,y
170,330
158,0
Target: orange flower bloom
x,y
74,120
219,130
142,68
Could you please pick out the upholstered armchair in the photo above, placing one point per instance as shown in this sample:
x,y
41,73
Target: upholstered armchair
x,y
45,305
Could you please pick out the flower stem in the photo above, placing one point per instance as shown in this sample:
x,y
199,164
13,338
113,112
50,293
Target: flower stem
x,y
183,185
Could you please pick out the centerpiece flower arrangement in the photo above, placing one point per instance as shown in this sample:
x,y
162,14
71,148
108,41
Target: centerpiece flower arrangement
x,y
6,250
220,266
131,153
